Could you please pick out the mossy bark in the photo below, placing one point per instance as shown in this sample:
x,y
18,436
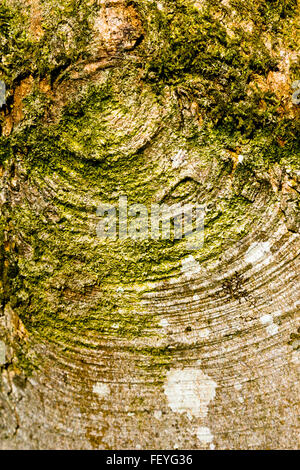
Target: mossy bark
x,y
143,344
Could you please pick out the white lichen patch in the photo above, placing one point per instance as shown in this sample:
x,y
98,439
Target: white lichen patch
x,y
189,391
204,435
204,333
2,352
238,386
164,322
179,159
190,267
295,358
101,389
157,414
271,327
266,319
257,252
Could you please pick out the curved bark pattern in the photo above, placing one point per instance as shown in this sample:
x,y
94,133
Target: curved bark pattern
x,y
143,344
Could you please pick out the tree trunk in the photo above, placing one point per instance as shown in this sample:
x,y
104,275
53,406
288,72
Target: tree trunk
x,y
145,344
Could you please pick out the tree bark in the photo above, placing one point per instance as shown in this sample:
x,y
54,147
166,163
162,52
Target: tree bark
x,y
143,344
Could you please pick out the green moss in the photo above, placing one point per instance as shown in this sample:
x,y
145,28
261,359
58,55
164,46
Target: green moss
x,y
69,268
15,43
119,137
193,52
157,360
25,361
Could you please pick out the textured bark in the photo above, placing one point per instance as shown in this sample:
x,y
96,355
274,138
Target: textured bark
x,y
144,345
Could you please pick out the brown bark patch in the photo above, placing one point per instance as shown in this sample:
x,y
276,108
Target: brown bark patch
x,y
116,28
36,27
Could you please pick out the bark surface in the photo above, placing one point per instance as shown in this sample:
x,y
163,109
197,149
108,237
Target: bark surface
x,y
143,344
